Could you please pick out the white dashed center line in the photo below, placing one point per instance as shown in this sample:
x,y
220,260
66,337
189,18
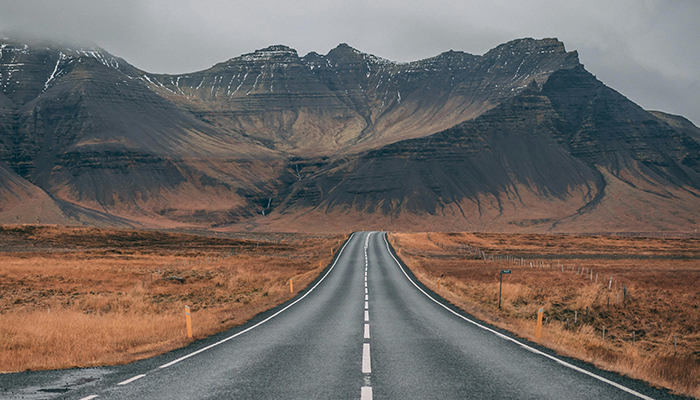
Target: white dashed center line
x,y
366,391
366,363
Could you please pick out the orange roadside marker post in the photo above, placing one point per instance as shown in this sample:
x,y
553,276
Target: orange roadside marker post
x,y
291,286
188,320
538,330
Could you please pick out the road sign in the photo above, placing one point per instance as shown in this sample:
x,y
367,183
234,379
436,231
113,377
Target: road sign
x,y
505,271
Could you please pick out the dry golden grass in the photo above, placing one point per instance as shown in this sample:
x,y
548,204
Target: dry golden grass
x,y
84,297
663,295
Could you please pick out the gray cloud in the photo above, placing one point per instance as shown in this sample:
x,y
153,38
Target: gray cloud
x,y
646,49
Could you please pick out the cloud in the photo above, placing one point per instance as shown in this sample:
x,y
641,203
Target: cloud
x,y
646,49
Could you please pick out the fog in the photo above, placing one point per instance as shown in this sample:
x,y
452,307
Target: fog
x,y
646,49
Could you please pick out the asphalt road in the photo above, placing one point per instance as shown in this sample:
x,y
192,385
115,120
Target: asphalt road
x,y
365,329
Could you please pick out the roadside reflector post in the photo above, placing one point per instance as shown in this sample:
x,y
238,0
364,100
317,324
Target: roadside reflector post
x,y
438,284
538,330
291,286
399,251
500,285
188,320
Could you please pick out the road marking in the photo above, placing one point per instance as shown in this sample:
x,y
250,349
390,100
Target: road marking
x,y
562,362
366,391
94,396
194,353
133,378
366,363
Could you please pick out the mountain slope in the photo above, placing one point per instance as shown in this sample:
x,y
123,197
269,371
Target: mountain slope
x,y
572,156
95,135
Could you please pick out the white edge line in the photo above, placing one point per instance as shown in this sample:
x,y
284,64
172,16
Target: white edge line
x,y
562,362
92,396
194,353
131,380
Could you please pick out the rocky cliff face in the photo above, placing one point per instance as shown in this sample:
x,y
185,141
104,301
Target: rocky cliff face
x,y
347,100
522,137
568,156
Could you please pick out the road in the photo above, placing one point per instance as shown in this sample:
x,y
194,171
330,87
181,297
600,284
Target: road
x,y
365,329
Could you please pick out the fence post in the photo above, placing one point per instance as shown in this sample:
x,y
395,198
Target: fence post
x,y
675,343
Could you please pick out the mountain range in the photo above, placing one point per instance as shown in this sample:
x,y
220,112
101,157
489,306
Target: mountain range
x,y
522,138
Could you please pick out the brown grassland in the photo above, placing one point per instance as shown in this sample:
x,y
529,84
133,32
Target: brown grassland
x,y
84,297
651,333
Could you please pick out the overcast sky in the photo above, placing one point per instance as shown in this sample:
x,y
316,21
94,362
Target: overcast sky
x,y
649,50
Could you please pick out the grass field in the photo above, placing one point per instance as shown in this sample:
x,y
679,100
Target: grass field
x,y
74,297
644,292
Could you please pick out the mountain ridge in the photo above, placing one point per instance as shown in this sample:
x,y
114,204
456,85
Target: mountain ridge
x,y
519,138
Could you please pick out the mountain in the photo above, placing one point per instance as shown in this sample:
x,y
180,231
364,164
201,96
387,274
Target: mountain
x,y
522,138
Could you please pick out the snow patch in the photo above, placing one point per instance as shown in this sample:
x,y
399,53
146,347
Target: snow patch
x,y
61,57
254,84
240,84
